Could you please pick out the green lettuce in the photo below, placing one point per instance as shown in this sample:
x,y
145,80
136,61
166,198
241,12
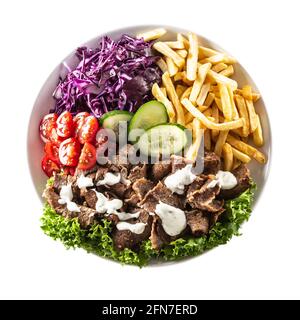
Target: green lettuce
x,y
98,238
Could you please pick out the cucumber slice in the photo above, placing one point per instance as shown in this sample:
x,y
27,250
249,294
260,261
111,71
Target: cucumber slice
x,y
163,139
148,115
110,120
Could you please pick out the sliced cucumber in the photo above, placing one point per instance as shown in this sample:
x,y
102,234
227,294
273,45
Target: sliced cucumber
x,y
110,120
148,115
164,139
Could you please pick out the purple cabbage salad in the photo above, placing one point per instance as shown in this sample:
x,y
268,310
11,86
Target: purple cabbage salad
x,y
115,75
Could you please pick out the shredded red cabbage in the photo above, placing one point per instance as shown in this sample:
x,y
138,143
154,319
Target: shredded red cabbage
x,y
115,75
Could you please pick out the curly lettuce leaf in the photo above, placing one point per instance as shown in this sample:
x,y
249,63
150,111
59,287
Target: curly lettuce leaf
x,y
68,231
98,238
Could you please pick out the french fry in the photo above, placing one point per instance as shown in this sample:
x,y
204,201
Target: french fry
x,y
228,157
258,138
207,140
167,82
250,107
159,96
164,91
201,75
198,135
247,149
162,65
240,155
238,132
219,104
192,59
241,105
248,94
215,114
172,68
254,96
152,34
228,72
175,44
182,53
186,93
180,89
235,114
218,58
209,99
236,163
189,117
183,39
168,52
225,100
205,52
220,142
203,94
219,67
207,122
216,77
198,83
215,59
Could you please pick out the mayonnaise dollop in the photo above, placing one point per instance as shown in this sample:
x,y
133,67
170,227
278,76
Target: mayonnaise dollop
x,y
66,197
173,219
225,179
181,178
84,182
110,179
137,228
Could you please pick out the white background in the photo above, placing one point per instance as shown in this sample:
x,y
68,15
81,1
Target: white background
x,y
263,263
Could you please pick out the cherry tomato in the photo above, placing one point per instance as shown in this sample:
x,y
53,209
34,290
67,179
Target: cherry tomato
x,y
88,130
65,125
47,125
87,158
51,150
78,121
54,137
69,152
49,166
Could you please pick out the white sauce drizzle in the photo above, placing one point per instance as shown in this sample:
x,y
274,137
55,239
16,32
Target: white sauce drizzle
x,y
66,197
103,205
123,216
225,179
137,228
84,182
110,179
181,178
173,219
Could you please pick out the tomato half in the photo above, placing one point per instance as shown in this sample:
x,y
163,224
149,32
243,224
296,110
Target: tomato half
x,y
49,166
47,125
78,121
87,158
65,125
51,150
88,130
69,152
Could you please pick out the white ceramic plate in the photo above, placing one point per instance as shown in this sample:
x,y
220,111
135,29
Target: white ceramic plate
x,y
45,102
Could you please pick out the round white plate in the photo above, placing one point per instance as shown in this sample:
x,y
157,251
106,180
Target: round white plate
x,y
45,102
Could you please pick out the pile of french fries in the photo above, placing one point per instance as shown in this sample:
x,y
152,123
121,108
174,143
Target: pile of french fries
x,y
199,94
